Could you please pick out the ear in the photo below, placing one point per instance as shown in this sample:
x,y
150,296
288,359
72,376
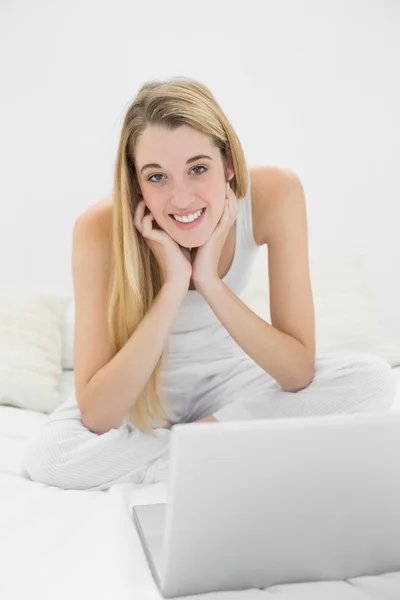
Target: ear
x,y
229,164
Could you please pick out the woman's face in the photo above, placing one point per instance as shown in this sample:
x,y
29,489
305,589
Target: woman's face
x,y
177,185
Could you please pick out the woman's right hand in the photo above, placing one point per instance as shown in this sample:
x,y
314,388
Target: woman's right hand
x,y
174,260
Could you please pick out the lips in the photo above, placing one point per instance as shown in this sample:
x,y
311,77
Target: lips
x,y
190,224
187,213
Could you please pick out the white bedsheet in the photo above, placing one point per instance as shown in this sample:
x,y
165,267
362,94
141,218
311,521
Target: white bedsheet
x,y
80,544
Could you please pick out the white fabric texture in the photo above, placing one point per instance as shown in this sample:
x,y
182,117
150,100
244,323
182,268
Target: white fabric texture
x,y
40,527
66,454
31,328
66,544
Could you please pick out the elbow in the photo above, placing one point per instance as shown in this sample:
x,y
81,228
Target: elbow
x,y
96,426
301,382
92,427
96,422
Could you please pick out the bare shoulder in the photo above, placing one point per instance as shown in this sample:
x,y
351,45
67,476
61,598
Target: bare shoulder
x,y
269,186
98,218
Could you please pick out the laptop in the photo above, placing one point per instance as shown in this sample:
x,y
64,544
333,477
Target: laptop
x,y
252,504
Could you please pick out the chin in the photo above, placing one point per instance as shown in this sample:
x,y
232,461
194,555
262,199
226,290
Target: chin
x,y
193,244
191,240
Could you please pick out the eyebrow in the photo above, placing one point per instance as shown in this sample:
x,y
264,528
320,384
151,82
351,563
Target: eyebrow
x,y
189,160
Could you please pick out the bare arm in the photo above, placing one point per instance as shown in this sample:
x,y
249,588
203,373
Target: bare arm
x,y
113,390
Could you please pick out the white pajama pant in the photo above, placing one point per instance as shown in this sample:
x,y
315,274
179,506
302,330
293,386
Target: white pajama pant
x,y
64,453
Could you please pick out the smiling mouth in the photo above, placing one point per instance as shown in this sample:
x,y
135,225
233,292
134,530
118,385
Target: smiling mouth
x,y
203,210
190,225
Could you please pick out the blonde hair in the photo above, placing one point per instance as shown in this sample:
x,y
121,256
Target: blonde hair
x,y
136,277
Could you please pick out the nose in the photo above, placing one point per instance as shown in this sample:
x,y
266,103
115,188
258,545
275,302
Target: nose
x,y
182,198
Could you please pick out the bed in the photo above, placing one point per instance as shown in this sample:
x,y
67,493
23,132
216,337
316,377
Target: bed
x,y
82,544
65,544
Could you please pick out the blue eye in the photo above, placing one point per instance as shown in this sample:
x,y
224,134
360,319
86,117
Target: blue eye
x,y
196,167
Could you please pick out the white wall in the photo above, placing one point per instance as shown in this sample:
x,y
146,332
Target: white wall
x,y
311,85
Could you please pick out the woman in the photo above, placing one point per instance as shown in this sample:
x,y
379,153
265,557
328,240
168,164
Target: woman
x,y
161,335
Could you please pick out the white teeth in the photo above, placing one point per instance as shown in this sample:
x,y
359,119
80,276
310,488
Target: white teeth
x,y
189,218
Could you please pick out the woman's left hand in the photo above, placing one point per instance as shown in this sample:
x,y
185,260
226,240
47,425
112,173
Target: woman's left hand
x,y
205,264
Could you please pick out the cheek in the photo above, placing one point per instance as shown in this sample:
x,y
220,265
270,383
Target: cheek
x,y
220,206
154,206
215,195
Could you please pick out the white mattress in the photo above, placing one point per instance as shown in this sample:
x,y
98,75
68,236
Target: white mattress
x,y
66,544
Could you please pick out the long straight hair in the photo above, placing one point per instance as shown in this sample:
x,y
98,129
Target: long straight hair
x,y
136,276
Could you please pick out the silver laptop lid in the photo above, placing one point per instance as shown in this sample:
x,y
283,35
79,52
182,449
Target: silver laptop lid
x,y
257,503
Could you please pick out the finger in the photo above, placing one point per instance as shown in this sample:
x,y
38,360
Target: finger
x,y
147,224
139,215
224,211
222,220
227,210
233,204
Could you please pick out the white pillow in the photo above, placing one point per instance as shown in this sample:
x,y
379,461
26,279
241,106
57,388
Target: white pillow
x,y
31,335
68,336
347,316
